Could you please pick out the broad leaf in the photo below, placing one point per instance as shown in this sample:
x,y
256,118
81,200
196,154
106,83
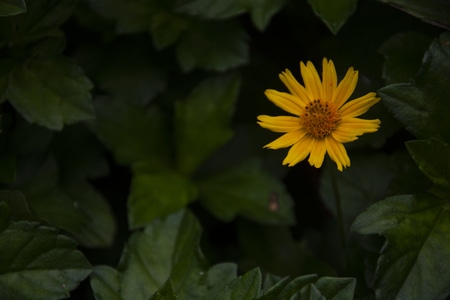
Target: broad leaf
x,y
403,55
38,263
156,194
261,11
294,287
213,45
99,225
105,283
131,133
334,13
245,287
422,104
53,84
12,7
203,120
131,16
417,231
131,70
206,9
174,243
174,258
167,27
73,205
336,288
310,287
247,190
433,159
18,206
366,182
293,257
166,292
41,17
217,277
436,12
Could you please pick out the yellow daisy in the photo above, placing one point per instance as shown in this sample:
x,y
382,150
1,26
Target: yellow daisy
x,y
322,120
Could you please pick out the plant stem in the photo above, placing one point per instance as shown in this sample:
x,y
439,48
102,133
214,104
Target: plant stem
x,y
337,199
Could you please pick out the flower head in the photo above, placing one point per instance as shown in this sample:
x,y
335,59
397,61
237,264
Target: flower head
x,y
322,121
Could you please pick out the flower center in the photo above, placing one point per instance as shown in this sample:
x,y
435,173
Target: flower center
x,y
320,118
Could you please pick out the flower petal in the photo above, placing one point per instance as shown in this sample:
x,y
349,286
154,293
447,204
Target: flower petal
x,y
329,79
287,139
299,151
311,78
358,126
337,153
279,123
345,88
317,154
343,136
285,101
358,106
294,87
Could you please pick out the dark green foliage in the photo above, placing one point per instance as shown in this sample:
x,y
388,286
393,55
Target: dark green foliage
x,y
132,167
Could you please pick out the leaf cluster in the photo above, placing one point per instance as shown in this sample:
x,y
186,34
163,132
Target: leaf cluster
x,y
131,166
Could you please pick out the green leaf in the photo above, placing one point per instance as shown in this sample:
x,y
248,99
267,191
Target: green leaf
x,y
417,231
174,257
73,205
206,9
156,194
105,283
422,105
41,17
293,257
436,12
217,277
131,16
99,225
19,208
166,292
407,172
54,85
39,263
131,70
174,254
336,288
261,11
12,7
272,286
48,201
213,45
403,55
247,190
333,13
166,28
366,182
52,44
203,120
433,159
294,287
132,133
309,287
245,287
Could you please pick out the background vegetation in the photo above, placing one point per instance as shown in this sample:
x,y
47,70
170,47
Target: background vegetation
x,y
131,165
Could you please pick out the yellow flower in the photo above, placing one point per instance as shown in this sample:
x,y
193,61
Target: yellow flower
x,y
322,120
